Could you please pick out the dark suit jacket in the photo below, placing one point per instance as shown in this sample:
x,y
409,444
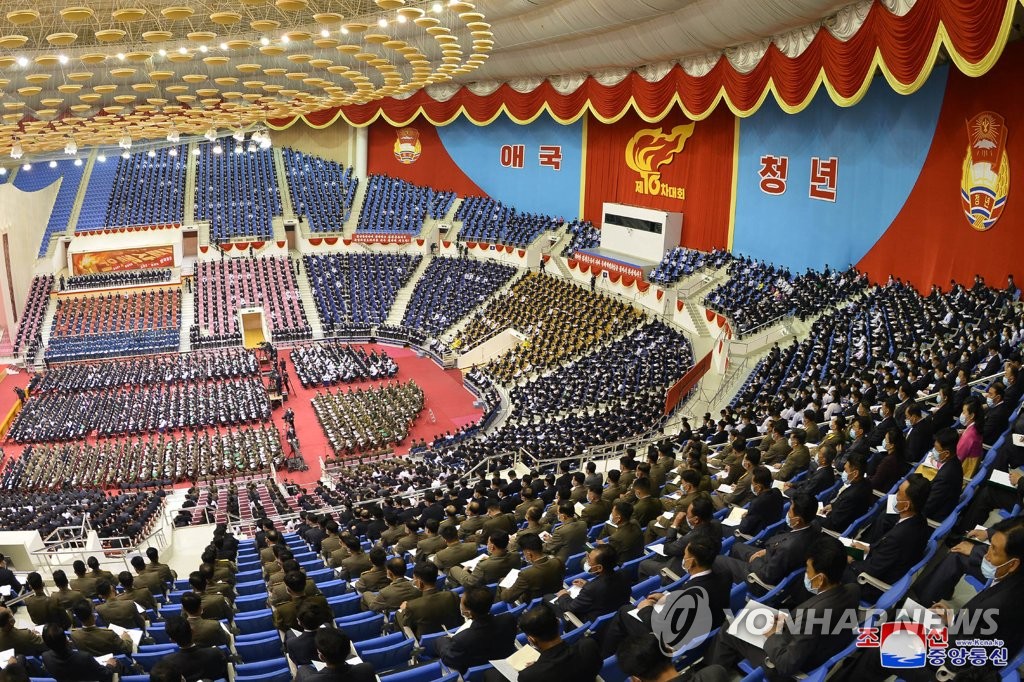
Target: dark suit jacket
x,y
946,488
362,672
484,640
566,662
920,439
604,594
821,479
994,599
763,510
996,420
302,649
893,554
791,653
200,663
78,667
784,553
675,544
849,505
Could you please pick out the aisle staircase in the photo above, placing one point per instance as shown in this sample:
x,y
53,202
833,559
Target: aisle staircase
x,y
282,183
188,212
357,206
83,185
309,304
404,294
188,306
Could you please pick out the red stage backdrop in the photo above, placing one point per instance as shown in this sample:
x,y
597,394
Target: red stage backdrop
x,y
674,165
931,239
117,260
415,153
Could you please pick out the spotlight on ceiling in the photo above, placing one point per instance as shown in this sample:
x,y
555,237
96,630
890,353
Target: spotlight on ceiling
x,y
71,147
211,134
238,148
217,149
78,162
3,170
252,146
172,152
126,155
102,158
151,153
196,151
16,151
173,135
125,142
53,164
238,135
27,166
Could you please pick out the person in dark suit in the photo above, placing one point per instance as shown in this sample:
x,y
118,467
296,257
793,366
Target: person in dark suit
x,y
945,412
66,664
334,648
558,660
699,522
642,658
891,466
195,662
301,649
854,497
948,482
887,422
766,506
789,651
921,433
706,585
781,554
895,552
997,413
487,638
605,593
822,478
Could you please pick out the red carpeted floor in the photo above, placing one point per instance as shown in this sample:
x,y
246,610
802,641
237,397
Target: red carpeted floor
x,y
448,406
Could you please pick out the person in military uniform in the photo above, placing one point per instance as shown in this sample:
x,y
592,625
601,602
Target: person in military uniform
x,y
399,590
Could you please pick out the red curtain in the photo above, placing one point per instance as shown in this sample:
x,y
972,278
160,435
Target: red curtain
x,y
975,29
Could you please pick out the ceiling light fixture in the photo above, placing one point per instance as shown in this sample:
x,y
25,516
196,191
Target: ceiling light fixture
x,y
217,149
102,158
173,151
382,22
16,151
27,166
151,153
53,164
78,162
173,135
211,134
71,147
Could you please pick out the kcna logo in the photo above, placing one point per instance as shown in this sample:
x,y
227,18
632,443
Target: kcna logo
x,y
649,150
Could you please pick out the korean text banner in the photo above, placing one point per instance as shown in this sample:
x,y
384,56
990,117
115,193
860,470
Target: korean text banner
x,y
119,260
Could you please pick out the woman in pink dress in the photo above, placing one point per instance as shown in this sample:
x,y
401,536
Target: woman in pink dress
x,y
968,448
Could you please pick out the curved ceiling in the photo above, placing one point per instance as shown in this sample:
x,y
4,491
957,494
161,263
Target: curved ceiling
x,y
92,72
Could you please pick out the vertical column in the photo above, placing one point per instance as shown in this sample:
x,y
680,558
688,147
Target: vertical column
x,y
361,146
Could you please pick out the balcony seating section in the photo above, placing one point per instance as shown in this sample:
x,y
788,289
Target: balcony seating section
x,y
93,215
584,236
222,287
487,220
681,262
322,191
148,190
237,193
396,206
41,176
30,328
450,288
357,288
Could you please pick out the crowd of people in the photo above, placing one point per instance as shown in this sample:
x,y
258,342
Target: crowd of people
x,y
757,293
111,280
583,236
322,191
224,363
156,408
148,190
681,262
356,288
144,461
332,362
222,287
101,314
487,220
360,420
395,205
29,336
125,514
450,288
558,318
225,193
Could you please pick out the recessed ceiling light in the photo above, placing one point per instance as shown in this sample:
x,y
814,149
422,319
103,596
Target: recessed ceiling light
x,y
264,41
63,59
182,50
382,22
53,164
325,33
22,61
162,52
204,49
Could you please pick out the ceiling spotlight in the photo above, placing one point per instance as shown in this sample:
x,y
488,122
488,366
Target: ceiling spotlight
x,y
382,22
182,50
224,46
264,41
173,135
285,39
120,56
436,8
78,162
125,155
252,146
203,49
16,151
211,134
265,140
151,153
125,142
196,151
27,166
22,61
173,151
102,158
53,164
63,59
217,149
325,33
162,52
3,170
238,135
71,147
344,31
238,149
401,18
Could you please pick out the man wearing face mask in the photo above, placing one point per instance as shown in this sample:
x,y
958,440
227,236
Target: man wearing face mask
x,y
997,413
919,434
558,660
797,459
711,586
948,481
623,533
604,593
740,494
698,521
853,498
689,482
858,440
813,635
766,506
877,433
487,638
782,553
896,551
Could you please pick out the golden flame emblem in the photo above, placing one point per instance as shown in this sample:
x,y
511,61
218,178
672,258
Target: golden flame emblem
x,y
650,149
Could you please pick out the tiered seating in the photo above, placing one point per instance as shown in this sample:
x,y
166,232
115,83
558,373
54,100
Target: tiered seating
x,y
323,191
681,262
331,362
357,288
486,220
237,193
393,205
757,293
652,357
42,176
145,461
356,420
559,318
109,280
148,190
110,325
93,215
30,332
584,236
450,288
222,287
127,516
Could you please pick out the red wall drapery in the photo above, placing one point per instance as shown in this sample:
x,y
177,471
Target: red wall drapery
x,y
975,33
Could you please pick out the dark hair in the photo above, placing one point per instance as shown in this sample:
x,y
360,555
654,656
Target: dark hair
x,y
947,438
78,567
126,579
753,455
540,622
805,506
55,639
1014,532
378,556
333,644
624,510
857,460
104,587
93,563
643,658
60,578
425,571
800,434
35,581
396,565
606,557
918,489
82,610
479,601
309,616
642,484
178,630
762,476
499,539
295,581
827,555
450,532
567,509
703,509
703,551
531,542
691,476
191,602
138,563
